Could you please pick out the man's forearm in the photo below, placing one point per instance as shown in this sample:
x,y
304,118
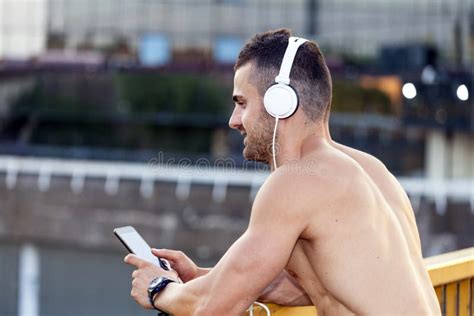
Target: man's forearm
x,y
202,271
190,298
284,290
193,298
179,299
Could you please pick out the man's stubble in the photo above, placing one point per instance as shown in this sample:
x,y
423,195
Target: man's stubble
x,y
258,141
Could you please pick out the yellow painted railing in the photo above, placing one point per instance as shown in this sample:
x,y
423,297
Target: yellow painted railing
x,y
452,275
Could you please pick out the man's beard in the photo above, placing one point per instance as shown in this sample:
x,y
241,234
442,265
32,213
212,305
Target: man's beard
x,y
258,141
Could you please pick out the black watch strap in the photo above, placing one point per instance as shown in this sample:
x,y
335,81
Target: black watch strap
x,y
161,283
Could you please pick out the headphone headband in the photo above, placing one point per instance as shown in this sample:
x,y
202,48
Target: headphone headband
x,y
293,44
280,100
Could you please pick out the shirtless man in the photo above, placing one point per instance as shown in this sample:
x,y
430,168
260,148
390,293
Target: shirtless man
x,y
330,226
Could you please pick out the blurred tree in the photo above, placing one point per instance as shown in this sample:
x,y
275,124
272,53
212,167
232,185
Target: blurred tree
x,y
172,112
350,97
179,93
136,110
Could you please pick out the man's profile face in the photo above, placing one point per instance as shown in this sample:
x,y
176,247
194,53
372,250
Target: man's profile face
x,y
249,117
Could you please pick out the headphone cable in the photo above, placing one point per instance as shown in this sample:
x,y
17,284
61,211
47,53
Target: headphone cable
x,y
273,143
263,306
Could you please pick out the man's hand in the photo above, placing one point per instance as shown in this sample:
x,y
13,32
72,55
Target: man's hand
x,y
141,278
185,267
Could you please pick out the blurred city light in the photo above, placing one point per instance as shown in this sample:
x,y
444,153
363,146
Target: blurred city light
x,y
462,92
428,75
409,90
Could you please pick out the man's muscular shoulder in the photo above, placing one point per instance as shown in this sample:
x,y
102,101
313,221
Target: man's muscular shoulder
x,y
282,194
309,188
340,189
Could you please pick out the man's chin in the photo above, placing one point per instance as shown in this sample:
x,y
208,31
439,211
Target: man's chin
x,y
252,156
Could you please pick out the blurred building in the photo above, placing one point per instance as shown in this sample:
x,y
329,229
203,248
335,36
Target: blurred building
x,y
28,27
23,28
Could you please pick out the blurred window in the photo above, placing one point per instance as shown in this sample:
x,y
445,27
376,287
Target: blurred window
x,y
154,50
226,49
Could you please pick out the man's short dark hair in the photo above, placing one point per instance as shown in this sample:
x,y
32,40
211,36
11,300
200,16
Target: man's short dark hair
x,y
309,75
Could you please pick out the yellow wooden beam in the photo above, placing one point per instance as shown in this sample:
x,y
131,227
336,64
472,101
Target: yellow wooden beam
x,y
451,299
277,310
451,267
440,295
464,297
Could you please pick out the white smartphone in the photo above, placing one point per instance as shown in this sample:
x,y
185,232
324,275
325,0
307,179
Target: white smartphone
x,y
135,244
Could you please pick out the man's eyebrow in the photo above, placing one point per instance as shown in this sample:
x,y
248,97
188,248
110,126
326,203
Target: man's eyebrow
x,y
238,98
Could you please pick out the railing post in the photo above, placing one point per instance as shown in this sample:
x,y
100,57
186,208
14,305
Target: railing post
x,y
29,281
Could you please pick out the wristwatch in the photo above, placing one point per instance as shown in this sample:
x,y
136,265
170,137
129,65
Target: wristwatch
x,y
156,286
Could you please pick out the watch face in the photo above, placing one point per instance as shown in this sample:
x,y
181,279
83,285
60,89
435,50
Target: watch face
x,y
154,282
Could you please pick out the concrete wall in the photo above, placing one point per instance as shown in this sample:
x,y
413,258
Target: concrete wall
x,y
198,225
61,217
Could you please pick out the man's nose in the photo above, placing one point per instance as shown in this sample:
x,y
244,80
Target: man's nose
x,y
235,120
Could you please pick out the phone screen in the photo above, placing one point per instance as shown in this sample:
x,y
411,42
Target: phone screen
x,y
135,243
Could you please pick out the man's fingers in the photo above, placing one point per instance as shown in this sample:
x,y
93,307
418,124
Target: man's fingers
x,y
134,274
133,260
172,255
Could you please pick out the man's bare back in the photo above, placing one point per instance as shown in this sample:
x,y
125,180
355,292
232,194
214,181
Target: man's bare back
x,y
363,254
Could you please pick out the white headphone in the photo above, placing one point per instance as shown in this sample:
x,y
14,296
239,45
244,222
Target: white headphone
x,y
281,100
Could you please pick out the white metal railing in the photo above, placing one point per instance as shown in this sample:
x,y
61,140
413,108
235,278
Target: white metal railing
x,y
438,190
147,173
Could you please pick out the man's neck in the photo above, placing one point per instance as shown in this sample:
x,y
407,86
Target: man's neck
x,y
292,147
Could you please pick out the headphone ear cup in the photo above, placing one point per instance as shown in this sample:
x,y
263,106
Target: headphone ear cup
x,y
280,101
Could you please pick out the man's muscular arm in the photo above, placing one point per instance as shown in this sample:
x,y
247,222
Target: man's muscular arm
x,y
252,262
283,290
